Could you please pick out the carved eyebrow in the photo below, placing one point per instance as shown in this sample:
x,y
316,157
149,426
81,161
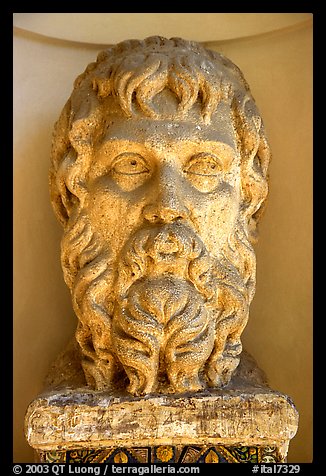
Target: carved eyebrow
x,y
223,151
115,146
118,141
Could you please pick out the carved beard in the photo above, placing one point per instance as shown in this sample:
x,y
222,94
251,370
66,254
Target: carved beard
x,y
170,314
161,327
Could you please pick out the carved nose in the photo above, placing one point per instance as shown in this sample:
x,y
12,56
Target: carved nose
x,y
167,206
157,214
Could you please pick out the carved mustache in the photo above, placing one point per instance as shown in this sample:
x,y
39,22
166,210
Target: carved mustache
x,y
174,239
173,248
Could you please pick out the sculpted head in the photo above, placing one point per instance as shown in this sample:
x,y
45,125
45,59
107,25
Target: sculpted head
x,y
159,177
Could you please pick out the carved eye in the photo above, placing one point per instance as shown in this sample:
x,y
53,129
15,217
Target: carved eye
x,y
204,164
204,171
130,163
130,171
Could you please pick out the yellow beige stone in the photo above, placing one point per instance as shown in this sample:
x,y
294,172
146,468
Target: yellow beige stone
x,y
245,414
159,176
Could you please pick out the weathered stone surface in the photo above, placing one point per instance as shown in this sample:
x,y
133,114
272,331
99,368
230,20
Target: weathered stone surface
x,y
159,176
75,418
246,413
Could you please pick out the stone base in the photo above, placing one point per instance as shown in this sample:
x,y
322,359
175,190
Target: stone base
x,y
244,422
230,425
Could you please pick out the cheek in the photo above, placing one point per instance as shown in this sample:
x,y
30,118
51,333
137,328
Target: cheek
x,y
113,217
215,216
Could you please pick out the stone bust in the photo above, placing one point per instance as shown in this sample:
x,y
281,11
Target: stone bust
x,y
159,177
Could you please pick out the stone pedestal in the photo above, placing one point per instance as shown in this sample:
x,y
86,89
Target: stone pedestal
x,y
245,422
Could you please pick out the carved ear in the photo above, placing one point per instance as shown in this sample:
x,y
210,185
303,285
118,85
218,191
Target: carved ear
x,y
56,200
71,153
259,185
60,145
65,190
61,180
254,167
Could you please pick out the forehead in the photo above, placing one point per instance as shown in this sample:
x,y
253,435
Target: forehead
x,y
165,131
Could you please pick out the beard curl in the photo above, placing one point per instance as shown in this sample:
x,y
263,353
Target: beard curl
x,y
178,312
88,271
161,329
168,315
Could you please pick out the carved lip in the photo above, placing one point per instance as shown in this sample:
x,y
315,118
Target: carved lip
x,y
173,238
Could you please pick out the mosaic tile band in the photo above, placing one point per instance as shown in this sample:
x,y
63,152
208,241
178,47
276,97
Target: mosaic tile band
x,y
165,454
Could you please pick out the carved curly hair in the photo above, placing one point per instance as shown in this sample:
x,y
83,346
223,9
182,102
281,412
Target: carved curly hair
x,y
134,72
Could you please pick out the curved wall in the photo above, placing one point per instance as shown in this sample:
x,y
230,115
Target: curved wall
x,y
274,51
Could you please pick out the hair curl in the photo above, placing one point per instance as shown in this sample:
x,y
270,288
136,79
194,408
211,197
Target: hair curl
x,y
134,72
